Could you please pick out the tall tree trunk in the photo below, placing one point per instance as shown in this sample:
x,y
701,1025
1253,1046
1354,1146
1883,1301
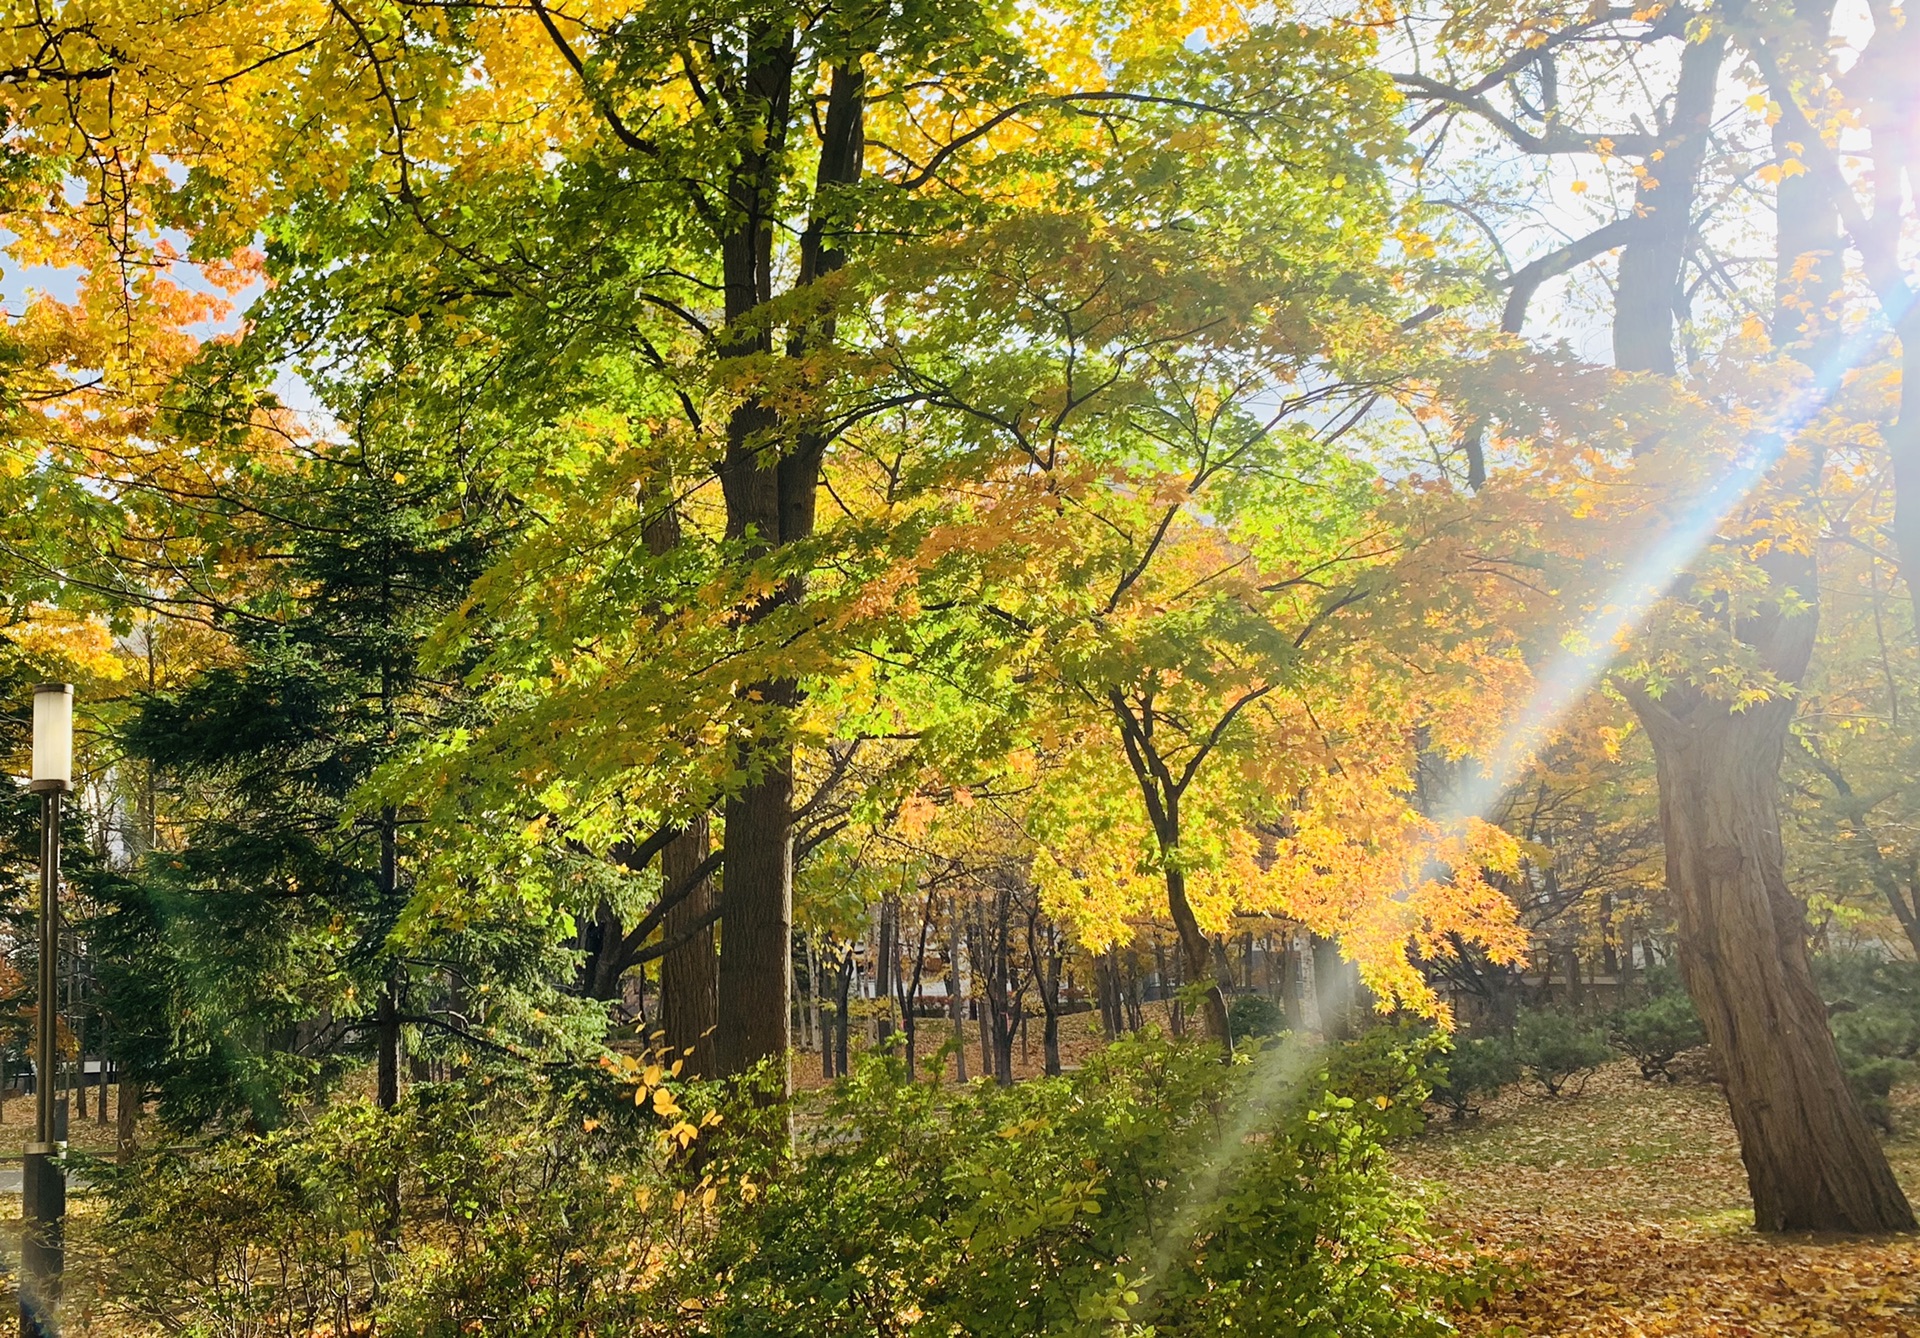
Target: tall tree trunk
x,y
885,965
1106,989
1136,1017
1812,1160
690,974
1650,264
769,485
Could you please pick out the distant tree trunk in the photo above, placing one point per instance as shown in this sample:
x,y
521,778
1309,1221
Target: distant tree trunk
x,y
956,1006
1106,988
603,963
690,974
128,1119
842,1013
1330,993
1291,998
1136,1018
810,1014
907,987
387,1009
1169,988
885,963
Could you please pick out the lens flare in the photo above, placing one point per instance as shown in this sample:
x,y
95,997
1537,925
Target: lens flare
x,y
1589,652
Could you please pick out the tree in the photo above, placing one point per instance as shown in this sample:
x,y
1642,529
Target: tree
x,y
274,929
1717,698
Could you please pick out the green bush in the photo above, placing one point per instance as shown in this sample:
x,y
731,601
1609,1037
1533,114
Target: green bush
x,y
1656,1031
1478,1067
1255,1015
1874,1007
1556,1047
1389,1071
522,1210
1153,1191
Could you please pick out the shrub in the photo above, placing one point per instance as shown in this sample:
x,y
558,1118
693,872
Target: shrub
x,y
1656,1031
1389,1071
1874,1008
1479,1067
522,1210
1153,1190
1255,1015
1555,1047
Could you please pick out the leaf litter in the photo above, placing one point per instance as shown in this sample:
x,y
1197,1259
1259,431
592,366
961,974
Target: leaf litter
x,y
1623,1213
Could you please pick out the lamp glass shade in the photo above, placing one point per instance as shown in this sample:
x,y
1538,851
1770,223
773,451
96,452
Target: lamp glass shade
x,y
53,736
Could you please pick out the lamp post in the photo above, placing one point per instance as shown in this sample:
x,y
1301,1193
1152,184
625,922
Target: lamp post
x,y
44,1189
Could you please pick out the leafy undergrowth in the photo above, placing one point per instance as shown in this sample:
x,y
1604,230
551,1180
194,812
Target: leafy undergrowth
x,y
1624,1211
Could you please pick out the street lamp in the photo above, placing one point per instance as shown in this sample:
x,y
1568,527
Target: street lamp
x,y
44,1188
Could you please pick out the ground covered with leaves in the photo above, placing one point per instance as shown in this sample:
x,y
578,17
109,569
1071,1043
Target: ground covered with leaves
x,y
1622,1209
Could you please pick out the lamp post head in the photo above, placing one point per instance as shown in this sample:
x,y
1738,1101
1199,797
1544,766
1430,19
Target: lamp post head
x,y
52,738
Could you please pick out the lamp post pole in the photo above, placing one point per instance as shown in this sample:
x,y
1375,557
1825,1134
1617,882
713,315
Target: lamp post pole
x,y
44,1187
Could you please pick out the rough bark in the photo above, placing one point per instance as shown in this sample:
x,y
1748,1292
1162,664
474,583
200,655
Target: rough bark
x,y
1106,988
844,985
769,479
1046,951
690,973
1812,1161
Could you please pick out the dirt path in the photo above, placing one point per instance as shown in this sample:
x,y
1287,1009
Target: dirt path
x,y
1625,1210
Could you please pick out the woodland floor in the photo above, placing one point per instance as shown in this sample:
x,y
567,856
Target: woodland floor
x,y
1620,1209
1624,1211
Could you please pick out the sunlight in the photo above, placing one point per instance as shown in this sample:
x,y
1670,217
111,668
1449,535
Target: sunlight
x,y
1590,651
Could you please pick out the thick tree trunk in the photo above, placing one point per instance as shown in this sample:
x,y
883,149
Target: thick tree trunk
x,y
1650,265
769,480
1812,1161
690,974
1197,955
